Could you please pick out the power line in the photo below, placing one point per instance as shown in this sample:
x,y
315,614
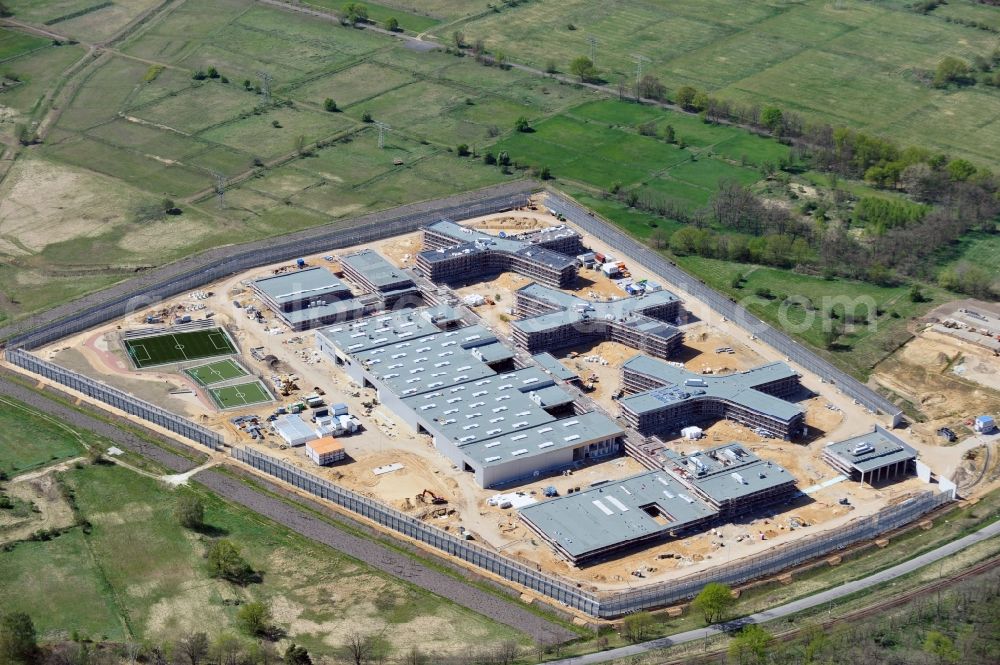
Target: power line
x,y
265,85
593,48
639,59
220,188
382,129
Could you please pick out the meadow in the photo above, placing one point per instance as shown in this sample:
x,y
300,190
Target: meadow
x,y
858,348
48,441
134,134
847,63
137,573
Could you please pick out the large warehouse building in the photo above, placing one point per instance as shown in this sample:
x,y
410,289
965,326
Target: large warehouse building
x,y
454,253
500,426
661,398
553,319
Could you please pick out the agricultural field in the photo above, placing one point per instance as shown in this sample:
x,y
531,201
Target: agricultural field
x,y
29,440
137,570
847,63
156,350
136,135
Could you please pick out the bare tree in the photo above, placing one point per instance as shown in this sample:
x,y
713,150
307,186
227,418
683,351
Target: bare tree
x,y
190,650
361,648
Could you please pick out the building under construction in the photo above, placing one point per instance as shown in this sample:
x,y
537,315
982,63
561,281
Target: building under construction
x,y
731,479
688,495
310,297
454,253
874,457
662,398
552,319
369,270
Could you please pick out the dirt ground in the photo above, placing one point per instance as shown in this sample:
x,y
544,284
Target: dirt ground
x,y
50,510
385,440
948,380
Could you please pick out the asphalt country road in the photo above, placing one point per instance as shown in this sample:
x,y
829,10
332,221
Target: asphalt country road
x,y
794,607
377,555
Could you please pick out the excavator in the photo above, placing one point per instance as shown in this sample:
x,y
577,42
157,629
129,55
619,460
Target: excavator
x,y
430,497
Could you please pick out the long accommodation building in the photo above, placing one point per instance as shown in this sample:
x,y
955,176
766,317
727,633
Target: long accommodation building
x,y
552,319
454,253
500,426
662,398
606,520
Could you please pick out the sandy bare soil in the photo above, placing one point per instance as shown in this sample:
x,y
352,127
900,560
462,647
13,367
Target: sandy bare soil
x,y
77,204
949,380
50,508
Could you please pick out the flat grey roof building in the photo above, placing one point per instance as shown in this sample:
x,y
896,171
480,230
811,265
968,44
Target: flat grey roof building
x,y
294,290
872,457
375,274
732,479
551,364
553,319
454,253
663,397
616,515
502,426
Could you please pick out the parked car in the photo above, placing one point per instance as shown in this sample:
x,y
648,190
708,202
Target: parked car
x,y
948,434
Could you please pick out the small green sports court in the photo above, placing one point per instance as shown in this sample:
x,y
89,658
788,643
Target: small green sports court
x,y
217,372
243,394
171,348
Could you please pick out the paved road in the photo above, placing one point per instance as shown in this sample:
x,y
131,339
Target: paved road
x,y
299,520
817,600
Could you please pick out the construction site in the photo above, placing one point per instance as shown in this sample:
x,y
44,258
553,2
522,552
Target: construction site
x,y
391,378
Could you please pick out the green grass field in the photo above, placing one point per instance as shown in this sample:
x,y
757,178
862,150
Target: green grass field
x,y
14,44
243,394
157,350
849,63
29,439
379,13
217,372
138,568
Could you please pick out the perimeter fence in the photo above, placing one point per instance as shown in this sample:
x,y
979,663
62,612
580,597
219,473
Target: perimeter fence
x,y
722,305
150,288
604,605
119,399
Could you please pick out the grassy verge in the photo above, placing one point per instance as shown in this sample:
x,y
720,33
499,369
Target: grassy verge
x,y
137,571
30,439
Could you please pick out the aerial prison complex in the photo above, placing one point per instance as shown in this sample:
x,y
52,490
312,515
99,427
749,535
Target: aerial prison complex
x,y
506,418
